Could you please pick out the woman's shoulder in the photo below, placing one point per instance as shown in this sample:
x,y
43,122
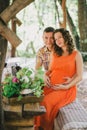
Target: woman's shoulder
x,y
77,53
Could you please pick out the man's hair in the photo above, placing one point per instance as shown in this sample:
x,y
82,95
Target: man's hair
x,y
49,29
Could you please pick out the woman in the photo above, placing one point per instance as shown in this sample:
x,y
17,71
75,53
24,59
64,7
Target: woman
x,y
66,61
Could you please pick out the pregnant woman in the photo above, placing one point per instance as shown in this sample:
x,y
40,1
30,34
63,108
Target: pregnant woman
x,y
66,62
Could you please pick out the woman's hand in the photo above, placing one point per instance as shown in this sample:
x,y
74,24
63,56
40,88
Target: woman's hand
x,y
65,85
47,81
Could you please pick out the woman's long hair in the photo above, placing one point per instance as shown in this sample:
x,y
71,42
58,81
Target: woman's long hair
x,y
68,42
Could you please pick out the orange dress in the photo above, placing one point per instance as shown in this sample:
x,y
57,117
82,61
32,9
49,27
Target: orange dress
x,y
63,66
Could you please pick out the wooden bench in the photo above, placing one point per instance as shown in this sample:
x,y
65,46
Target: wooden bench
x,y
71,117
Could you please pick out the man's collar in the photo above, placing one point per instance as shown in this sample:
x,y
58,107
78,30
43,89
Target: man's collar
x,y
46,49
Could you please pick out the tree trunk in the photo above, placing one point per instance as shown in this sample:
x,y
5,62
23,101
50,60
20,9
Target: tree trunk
x,y
63,5
73,30
72,27
3,49
64,13
82,18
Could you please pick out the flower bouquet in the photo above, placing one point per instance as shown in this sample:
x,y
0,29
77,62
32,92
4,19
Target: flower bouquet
x,y
25,82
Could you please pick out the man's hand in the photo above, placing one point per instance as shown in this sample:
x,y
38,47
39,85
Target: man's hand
x,y
60,87
65,85
68,80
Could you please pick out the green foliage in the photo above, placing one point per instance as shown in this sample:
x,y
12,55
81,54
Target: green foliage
x,y
24,53
84,56
25,79
10,88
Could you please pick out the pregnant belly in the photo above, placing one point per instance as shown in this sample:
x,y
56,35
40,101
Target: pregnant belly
x,y
57,78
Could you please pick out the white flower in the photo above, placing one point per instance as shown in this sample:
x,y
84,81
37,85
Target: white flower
x,y
25,79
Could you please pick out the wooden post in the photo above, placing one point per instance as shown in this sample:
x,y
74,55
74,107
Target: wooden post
x,y
9,35
13,9
13,49
6,15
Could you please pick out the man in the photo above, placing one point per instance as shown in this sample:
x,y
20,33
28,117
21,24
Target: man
x,y
43,54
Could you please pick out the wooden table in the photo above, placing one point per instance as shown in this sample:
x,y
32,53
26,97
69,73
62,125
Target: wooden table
x,y
19,114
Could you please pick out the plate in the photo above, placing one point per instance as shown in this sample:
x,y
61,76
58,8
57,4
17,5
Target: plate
x,y
26,91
